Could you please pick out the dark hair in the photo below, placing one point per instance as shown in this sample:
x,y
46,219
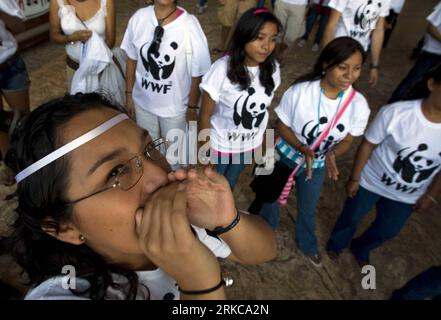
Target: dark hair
x,y
335,52
42,196
247,30
420,90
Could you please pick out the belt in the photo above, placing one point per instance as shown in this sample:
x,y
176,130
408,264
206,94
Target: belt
x,y
9,62
72,63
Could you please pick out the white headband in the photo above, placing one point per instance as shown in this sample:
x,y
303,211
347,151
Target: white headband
x,y
92,134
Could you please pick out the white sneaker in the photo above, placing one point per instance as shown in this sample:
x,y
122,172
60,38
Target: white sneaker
x,y
202,9
316,260
302,43
315,47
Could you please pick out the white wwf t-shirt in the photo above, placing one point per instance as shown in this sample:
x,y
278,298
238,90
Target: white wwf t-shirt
x,y
397,5
240,116
408,154
430,43
8,45
153,285
307,112
162,82
359,18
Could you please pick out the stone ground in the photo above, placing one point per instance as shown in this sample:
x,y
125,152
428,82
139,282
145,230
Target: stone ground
x,y
290,276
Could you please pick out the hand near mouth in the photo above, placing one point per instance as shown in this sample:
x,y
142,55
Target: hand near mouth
x,y
209,197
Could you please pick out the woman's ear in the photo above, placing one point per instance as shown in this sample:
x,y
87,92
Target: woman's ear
x,y
64,232
431,84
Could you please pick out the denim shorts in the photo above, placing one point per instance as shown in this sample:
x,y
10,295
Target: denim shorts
x,y
14,77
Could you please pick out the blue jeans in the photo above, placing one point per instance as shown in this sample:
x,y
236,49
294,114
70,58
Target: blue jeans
x,y
231,166
425,285
308,194
14,76
390,219
424,63
310,21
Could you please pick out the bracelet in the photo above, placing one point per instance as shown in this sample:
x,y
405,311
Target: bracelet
x,y
353,180
431,198
225,281
374,66
128,92
220,230
192,107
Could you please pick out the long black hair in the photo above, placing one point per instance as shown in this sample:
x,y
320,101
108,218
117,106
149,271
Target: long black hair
x,y
420,90
335,52
247,30
42,197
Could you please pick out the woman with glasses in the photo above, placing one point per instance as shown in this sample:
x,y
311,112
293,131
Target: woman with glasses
x,y
168,54
72,23
100,215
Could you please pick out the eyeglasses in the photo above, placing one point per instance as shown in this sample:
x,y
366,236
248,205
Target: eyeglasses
x,y
127,175
157,38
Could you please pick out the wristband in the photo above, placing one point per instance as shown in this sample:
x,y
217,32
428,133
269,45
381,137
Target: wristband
x,y
374,66
225,281
192,107
220,230
431,198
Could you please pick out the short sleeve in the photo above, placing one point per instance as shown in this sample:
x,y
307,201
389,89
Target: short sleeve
x,y
286,109
339,5
127,43
219,247
213,80
381,126
201,61
361,116
435,17
385,8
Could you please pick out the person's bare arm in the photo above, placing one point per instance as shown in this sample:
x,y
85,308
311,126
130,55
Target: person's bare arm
x,y
376,46
433,31
193,99
130,82
55,32
14,24
331,26
110,24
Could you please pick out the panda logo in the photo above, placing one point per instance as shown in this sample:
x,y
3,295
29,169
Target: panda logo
x,y
367,14
311,134
252,113
413,167
160,64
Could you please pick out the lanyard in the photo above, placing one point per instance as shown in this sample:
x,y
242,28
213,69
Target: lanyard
x,y
322,92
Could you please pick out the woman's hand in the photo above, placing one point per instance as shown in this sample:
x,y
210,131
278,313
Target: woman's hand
x,y
209,197
130,106
352,187
166,238
331,166
424,202
80,35
309,157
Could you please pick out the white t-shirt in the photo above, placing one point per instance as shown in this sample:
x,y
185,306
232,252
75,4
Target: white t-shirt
x,y
307,112
162,82
153,285
8,45
430,43
408,154
397,5
296,2
325,2
70,23
359,18
240,116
